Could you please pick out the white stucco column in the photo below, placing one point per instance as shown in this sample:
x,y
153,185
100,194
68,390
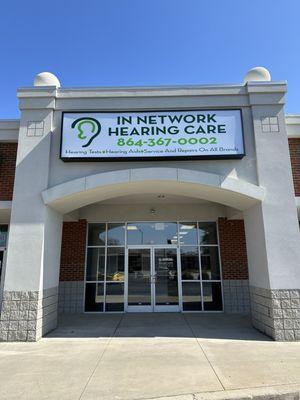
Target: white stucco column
x,y
272,230
29,307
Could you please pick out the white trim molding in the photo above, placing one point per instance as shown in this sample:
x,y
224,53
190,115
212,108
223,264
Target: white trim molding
x,y
293,125
77,193
9,130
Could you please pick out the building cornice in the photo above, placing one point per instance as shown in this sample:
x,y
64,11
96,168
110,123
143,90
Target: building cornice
x,y
151,91
9,130
293,125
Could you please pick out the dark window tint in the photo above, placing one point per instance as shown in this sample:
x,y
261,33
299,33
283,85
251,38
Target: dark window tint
x,y
96,235
166,279
210,263
212,296
139,273
191,296
207,233
114,297
95,264
190,263
3,235
94,293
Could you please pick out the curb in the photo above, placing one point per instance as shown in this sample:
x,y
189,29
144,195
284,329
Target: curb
x,y
280,392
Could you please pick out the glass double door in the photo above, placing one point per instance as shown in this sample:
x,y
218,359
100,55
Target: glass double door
x,y
152,279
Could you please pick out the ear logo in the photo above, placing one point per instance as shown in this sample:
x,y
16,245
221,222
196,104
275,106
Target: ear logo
x,y
93,128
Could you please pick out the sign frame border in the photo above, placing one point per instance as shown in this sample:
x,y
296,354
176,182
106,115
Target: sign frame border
x,y
154,158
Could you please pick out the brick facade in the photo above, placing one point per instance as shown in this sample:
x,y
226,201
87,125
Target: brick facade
x,y
233,249
294,145
8,156
72,259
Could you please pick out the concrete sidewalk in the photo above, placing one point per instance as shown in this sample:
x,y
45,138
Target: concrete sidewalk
x,y
142,356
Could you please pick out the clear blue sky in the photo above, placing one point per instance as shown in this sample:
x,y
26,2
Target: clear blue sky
x,y
147,42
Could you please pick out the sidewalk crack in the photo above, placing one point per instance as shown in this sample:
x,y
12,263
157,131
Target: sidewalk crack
x,y
100,357
208,360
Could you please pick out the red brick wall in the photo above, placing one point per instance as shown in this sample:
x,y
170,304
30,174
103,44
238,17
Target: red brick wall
x,y
8,155
72,258
233,249
294,144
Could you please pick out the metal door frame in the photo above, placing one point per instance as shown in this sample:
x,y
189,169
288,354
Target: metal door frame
x,y
153,307
2,274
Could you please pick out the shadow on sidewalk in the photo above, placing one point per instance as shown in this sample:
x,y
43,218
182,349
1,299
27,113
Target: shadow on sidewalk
x,y
152,325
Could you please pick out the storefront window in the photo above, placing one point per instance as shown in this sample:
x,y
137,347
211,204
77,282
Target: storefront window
x,y
188,233
105,266
151,233
97,235
212,296
115,264
191,296
190,263
210,263
208,233
157,252
94,297
116,235
95,264
3,235
114,299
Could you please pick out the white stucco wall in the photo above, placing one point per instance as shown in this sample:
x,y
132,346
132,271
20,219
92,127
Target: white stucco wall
x,y
264,172
142,212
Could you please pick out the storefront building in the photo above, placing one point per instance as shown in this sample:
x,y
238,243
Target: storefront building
x,y
150,199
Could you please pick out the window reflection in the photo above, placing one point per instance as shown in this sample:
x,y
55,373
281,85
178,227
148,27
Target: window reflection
x,y
166,282
207,233
191,296
152,233
3,235
210,263
115,234
95,264
190,263
96,234
114,300
157,283
188,233
139,267
115,264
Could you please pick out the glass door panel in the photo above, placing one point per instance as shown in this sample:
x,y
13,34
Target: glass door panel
x,y
1,263
139,280
166,279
